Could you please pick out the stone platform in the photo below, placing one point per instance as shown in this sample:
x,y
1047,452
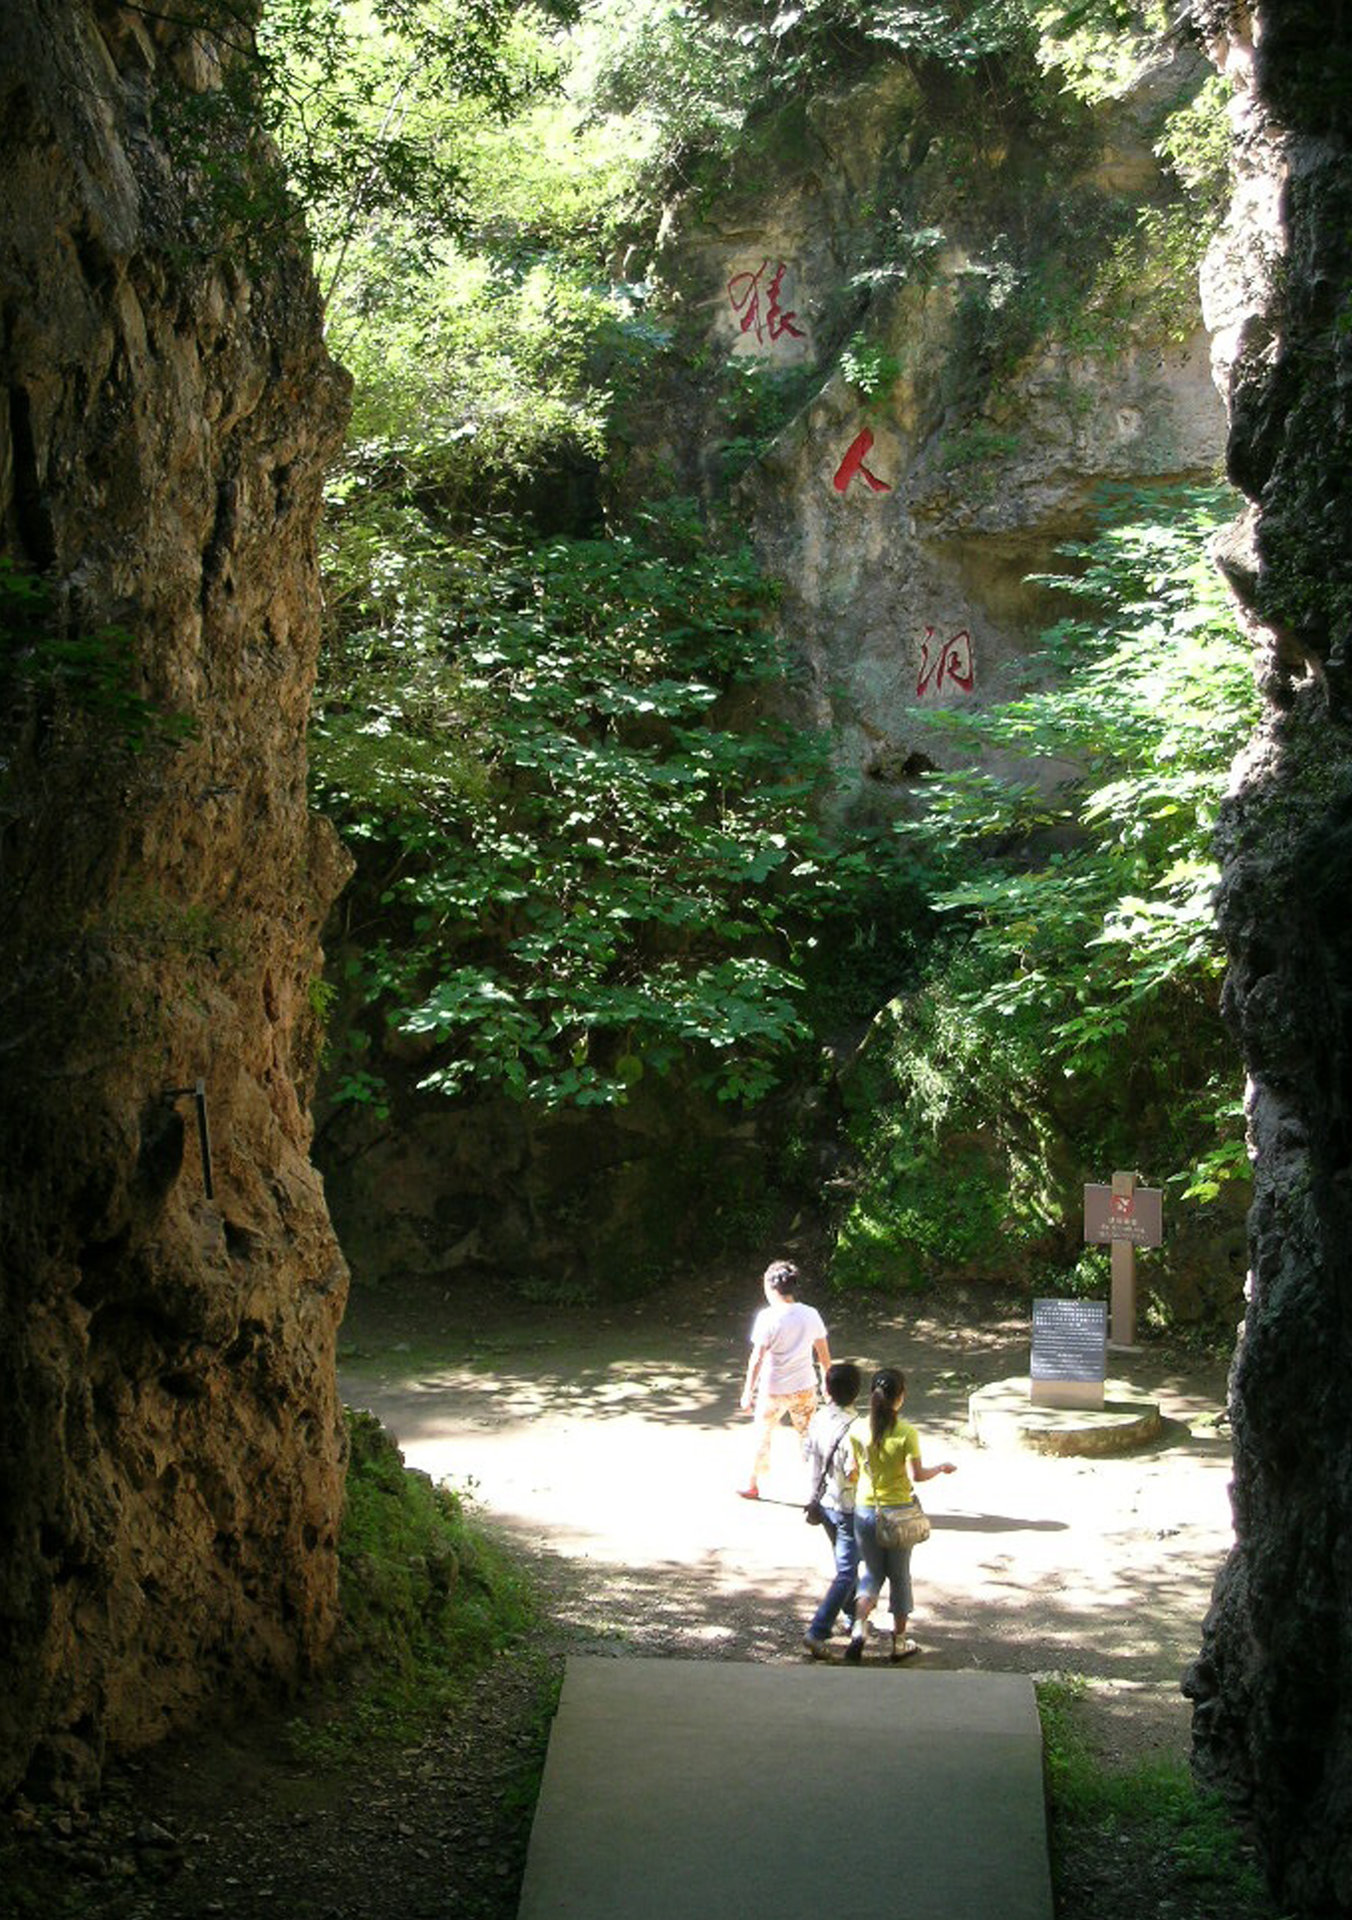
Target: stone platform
x,y
1001,1415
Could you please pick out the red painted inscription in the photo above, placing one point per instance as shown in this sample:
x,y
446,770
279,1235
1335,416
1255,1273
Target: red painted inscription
x,y
853,465
759,303
951,661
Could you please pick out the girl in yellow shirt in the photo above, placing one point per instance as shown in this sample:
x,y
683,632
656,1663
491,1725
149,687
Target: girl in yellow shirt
x,y
886,1450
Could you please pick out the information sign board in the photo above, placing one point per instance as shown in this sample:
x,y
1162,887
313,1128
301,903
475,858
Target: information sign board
x,y
1070,1353
1135,1217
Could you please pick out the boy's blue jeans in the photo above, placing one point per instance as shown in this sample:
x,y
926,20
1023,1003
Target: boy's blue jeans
x,y
840,1594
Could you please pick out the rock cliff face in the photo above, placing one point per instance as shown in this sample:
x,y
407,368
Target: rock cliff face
x,y
928,280
1273,1708
170,1441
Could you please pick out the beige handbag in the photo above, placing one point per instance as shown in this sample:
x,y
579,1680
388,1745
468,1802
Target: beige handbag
x,y
902,1526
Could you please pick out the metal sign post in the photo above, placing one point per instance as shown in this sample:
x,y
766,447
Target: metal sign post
x,y
1124,1216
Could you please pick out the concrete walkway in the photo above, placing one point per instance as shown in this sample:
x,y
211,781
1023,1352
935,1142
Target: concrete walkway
x,y
711,1790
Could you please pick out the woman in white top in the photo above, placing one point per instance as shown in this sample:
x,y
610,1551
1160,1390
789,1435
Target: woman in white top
x,y
780,1376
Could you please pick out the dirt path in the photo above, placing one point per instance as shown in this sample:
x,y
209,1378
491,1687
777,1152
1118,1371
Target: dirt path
x,y
612,1446
608,1447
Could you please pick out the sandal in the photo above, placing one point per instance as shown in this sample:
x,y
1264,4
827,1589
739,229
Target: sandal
x,y
905,1650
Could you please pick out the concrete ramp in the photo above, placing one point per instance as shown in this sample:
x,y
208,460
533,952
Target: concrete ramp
x,y
703,1790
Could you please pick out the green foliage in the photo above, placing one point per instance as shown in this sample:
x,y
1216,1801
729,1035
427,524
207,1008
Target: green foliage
x,y
976,447
1149,700
590,878
945,1212
912,256
498,344
1184,1837
757,402
1102,270
678,77
320,995
1072,1013
709,85
467,384
868,366
1100,46
427,1599
1197,143
951,1137
1147,280
366,101
584,866
1111,273
795,43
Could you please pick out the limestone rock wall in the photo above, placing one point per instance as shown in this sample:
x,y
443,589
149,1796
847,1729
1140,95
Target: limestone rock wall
x,y
1272,1716
171,1445
904,504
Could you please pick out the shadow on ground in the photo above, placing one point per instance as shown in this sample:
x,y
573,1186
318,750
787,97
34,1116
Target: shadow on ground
x,y
608,1448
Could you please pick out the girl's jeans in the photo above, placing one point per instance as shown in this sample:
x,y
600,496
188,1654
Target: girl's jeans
x,y
892,1564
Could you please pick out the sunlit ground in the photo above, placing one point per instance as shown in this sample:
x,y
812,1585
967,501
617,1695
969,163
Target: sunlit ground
x,y
617,1448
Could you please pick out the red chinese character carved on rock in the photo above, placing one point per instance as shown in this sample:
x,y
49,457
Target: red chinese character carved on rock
x,y
953,661
759,306
853,464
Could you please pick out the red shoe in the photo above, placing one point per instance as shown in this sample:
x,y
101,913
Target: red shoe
x,y
748,1493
